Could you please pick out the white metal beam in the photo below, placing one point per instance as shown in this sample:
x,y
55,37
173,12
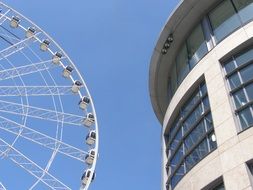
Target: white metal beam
x,y
42,139
24,162
35,90
26,69
40,113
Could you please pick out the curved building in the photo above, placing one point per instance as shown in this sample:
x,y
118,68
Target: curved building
x,y
201,89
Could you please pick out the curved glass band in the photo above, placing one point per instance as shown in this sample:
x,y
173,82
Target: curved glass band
x,y
220,22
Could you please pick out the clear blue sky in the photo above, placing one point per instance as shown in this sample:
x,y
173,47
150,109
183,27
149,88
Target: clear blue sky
x,y
111,42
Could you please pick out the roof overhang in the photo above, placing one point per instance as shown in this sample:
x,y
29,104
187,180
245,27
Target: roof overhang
x,y
180,23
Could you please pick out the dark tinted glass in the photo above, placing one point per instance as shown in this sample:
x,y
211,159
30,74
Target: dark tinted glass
x,y
234,81
182,64
223,20
196,46
245,9
239,98
247,73
246,118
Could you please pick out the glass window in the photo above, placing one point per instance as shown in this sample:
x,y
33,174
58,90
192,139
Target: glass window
x,y
249,90
176,141
223,20
245,9
206,103
170,94
195,136
247,73
246,118
230,66
234,81
174,127
190,135
209,121
192,118
177,158
239,98
241,83
197,154
190,104
203,89
182,64
244,58
178,175
196,46
173,79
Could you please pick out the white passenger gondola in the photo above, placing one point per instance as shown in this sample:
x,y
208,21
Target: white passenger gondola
x,y
15,20
56,58
84,102
91,138
86,176
30,32
89,120
67,71
44,45
89,158
76,86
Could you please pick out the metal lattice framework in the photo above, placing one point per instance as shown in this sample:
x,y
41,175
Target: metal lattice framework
x,y
40,96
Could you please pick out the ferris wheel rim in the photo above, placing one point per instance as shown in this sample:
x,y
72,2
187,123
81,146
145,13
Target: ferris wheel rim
x,y
92,168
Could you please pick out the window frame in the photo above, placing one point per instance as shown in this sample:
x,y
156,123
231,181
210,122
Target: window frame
x,y
237,69
177,127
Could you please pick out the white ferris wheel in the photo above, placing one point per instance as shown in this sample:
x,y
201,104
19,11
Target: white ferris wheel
x,y
48,125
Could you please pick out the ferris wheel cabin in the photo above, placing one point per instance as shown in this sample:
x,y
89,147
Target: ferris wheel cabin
x,y
84,102
44,45
15,20
89,120
56,58
76,86
85,177
30,32
67,71
91,138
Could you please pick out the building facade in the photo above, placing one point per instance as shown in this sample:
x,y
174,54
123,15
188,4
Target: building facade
x,y
201,89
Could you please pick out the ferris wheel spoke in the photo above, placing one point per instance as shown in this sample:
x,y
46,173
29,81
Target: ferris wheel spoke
x,y
31,167
26,69
40,113
34,90
42,139
16,47
4,35
3,17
